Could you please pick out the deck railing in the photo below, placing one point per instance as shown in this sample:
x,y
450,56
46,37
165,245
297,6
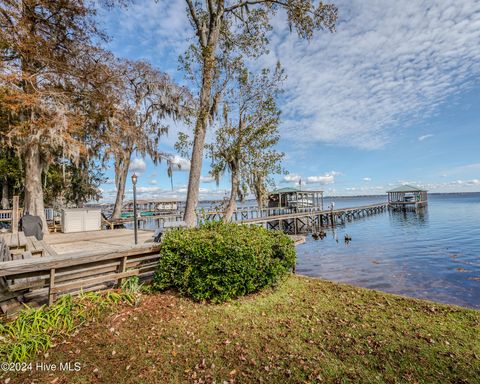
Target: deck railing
x,y
6,214
247,213
50,276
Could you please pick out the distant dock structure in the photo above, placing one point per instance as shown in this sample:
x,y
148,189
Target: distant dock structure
x,y
154,205
407,197
295,198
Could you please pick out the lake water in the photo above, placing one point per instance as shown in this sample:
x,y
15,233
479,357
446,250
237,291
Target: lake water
x,y
431,254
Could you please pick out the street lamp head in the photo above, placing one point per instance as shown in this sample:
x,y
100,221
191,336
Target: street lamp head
x,y
134,178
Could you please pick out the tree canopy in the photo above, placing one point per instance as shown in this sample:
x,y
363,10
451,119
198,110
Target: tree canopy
x,y
233,29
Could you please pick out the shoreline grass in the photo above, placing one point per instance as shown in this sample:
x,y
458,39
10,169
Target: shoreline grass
x,y
305,330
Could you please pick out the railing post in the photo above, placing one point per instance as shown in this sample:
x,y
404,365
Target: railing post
x,y
51,295
15,214
122,268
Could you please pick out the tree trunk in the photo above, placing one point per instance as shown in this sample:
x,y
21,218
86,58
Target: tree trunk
x,y
121,173
199,138
5,203
232,202
258,187
33,201
260,197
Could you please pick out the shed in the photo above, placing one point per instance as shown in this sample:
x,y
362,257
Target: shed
x,y
295,198
81,219
406,196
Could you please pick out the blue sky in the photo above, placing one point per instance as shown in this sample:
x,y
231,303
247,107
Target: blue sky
x,y
392,97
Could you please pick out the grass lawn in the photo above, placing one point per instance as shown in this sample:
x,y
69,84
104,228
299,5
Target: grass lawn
x,y
306,330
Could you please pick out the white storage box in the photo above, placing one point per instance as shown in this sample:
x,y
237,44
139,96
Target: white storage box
x,y
81,219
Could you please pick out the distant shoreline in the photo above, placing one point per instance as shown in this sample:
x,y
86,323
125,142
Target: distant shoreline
x,y
384,195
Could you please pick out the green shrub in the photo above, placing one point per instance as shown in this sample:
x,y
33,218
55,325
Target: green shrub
x,y
220,261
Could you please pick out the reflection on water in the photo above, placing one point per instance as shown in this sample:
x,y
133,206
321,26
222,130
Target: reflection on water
x,y
402,219
433,253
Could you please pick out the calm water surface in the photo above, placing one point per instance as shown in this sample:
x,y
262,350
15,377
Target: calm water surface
x,y
432,254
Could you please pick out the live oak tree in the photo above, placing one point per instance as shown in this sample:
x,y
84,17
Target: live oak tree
x,y
10,175
242,26
46,75
72,183
259,172
245,141
144,97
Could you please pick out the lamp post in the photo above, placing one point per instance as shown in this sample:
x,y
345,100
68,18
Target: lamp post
x,y
135,223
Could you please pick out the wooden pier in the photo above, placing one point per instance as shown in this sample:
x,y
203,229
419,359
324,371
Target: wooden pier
x,y
306,221
300,220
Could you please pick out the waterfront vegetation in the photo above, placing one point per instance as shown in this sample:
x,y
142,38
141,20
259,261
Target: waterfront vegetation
x,y
304,330
34,330
220,261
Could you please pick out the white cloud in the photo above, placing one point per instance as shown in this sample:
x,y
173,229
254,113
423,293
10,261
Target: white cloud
x,y
335,173
389,64
138,165
466,168
180,163
153,182
367,179
327,178
160,29
149,191
207,179
423,137
292,178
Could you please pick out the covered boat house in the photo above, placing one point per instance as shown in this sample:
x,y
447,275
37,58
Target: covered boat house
x,y
406,196
295,198
154,205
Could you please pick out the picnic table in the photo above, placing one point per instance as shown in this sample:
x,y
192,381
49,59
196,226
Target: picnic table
x,y
18,243
15,240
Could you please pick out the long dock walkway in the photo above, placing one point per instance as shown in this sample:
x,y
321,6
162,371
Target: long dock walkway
x,y
296,222
290,220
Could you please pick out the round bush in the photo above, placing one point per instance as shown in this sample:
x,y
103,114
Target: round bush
x,y
219,261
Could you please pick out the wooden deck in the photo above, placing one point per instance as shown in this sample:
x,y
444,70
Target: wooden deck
x,y
38,271
95,241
